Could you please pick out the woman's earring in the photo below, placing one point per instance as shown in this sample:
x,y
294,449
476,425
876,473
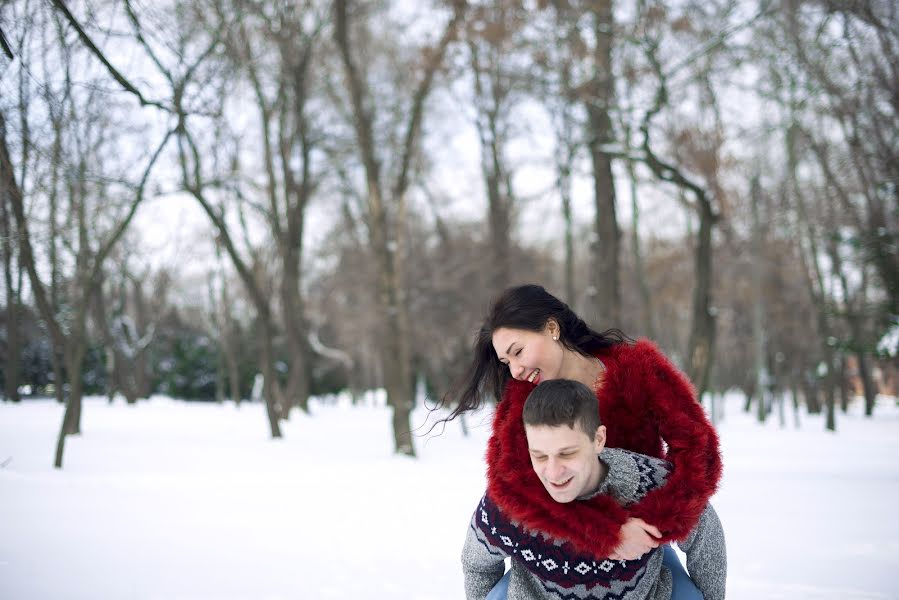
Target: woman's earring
x,y
555,338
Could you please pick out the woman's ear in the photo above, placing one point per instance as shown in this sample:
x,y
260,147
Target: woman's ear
x,y
552,329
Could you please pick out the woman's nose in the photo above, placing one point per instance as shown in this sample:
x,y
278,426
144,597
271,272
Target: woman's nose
x,y
516,369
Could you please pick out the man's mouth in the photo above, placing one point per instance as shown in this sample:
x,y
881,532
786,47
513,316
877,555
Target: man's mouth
x,y
534,377
559,486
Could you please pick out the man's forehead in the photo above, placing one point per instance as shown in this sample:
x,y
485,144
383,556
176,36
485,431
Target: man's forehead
x,y
541,437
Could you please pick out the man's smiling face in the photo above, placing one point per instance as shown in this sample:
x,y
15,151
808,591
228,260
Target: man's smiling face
x,y
565,459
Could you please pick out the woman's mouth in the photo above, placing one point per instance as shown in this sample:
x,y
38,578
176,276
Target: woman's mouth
x,y
534,377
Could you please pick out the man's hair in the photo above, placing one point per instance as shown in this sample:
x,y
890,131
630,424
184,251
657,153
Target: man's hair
x,y
562,402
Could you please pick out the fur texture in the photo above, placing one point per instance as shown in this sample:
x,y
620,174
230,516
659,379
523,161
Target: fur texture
x,y
643,401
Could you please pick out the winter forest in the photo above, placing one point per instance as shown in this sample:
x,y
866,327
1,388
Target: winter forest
x,y
300,206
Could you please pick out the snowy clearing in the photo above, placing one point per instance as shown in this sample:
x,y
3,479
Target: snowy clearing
x,y
168,499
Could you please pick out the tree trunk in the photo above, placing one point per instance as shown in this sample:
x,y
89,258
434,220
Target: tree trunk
x,y
490,106
71,422
758,308
271,385
297,389
810,393
386,248
565,193
13,352
141,372
830,422
844,385
648,320
606,282
702,335
868,386
814,280
101,322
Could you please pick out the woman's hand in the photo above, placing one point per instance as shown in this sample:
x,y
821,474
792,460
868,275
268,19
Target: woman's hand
x,y
637,538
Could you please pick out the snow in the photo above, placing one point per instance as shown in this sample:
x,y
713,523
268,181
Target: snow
x,y
167,499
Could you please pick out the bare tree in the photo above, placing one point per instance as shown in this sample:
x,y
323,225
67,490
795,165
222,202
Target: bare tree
x,y
69,337
600,100
288,143
386,207
13,346
493,32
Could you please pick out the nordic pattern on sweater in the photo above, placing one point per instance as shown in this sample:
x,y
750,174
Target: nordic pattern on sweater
x,y
543,567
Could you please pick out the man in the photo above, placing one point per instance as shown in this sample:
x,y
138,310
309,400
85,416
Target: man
x,y
567,447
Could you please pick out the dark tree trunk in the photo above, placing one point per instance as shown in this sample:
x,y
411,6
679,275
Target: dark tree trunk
x,y
606,252
844,386
71,423
13,352
758,308
271,386
830,422
648,318
565,192
868,386
385,241
702,335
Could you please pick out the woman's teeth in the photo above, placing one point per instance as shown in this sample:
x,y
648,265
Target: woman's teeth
x,y
533,376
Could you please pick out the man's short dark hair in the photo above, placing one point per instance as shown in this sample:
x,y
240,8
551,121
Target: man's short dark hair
x,y
563,402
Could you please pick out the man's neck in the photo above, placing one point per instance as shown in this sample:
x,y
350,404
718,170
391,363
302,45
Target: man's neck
x,y
600,476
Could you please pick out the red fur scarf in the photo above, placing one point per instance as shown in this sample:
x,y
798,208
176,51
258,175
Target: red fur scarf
x,y
644,400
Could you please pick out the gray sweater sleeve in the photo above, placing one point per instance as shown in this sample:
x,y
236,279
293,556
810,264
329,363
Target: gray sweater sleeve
x,y
483,564
707,555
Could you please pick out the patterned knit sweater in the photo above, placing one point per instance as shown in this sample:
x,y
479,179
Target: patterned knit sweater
x,y
546,567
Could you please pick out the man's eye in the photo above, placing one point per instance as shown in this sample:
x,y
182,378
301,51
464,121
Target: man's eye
x,y
539,458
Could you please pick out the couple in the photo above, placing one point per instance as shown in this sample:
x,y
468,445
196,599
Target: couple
x,y
587,528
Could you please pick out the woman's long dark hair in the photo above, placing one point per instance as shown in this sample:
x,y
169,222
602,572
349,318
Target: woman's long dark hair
x,y
528,307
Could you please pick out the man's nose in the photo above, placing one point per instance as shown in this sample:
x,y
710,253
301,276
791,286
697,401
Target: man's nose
x,y
554,469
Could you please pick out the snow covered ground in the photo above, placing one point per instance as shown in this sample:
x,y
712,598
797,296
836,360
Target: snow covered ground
x,y
174,500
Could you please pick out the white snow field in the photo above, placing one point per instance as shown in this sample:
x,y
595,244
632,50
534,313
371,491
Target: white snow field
x,y
172,500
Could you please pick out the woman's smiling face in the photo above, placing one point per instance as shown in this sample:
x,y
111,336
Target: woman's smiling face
x,y
531,356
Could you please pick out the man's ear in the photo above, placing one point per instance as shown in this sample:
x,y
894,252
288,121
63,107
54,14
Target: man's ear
x,y
600,440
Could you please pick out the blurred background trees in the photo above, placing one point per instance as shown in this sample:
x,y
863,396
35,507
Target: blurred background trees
x,y
329,193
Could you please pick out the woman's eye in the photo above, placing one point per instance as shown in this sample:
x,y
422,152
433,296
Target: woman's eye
x,y
517,352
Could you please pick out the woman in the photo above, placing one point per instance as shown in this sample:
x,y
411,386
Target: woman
x,y
646,403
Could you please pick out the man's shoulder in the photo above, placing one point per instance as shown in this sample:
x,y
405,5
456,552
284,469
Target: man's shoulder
x,y
632,475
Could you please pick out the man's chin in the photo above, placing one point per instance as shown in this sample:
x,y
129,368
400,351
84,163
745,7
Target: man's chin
x,y
560,498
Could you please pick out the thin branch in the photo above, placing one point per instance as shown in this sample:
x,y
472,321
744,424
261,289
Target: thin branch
x,y
99,55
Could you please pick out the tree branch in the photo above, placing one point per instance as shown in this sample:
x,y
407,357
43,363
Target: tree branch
x,y
128,87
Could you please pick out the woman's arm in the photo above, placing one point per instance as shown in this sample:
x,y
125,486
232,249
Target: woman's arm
x,y
693,446
593,526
